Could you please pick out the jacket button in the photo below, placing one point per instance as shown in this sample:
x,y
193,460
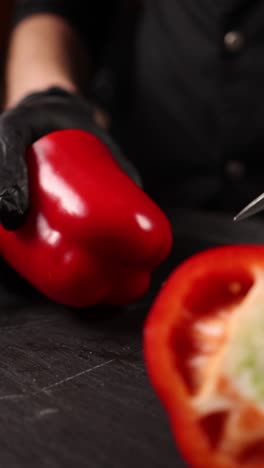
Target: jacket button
x,y
235,169
233,41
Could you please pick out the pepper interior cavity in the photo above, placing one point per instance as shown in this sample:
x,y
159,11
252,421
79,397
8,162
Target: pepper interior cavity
x,y
223,362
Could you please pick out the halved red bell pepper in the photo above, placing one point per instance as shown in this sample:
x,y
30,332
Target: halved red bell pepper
x,y
92,235
204,352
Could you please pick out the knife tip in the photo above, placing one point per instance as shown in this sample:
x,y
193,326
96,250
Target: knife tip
x,y
252,208
238,217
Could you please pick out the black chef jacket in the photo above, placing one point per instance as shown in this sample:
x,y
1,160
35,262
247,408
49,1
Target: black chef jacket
x,y
188,91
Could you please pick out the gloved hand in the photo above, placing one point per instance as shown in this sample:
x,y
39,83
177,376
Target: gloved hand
x,y
35,116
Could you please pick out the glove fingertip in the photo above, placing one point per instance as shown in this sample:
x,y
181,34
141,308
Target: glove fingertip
x,y
13,207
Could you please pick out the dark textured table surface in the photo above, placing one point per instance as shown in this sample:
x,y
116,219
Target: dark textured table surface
x,y
73,387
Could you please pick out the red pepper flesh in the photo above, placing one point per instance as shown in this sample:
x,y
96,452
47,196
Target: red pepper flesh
x,y
204,348
92,235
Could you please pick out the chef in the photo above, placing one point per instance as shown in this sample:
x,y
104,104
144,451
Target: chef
x,y
176,86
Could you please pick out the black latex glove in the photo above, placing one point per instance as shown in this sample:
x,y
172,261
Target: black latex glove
x,y
35,116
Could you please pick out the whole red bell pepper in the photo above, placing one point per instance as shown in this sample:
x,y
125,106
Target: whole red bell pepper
x,y
91,235
204,348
